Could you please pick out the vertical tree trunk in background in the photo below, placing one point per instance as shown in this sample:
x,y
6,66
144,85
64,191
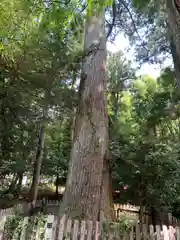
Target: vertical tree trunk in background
x,y
176,60
88,166
106,208
37,169
37,165
20,179
57,184
39,155
174,35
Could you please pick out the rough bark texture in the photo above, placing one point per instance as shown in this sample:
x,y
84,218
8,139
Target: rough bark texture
x,y
174,35
88,167
37,166
106,208
38,161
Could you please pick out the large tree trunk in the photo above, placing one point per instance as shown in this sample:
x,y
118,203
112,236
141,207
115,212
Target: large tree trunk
x,y
174,35
106,208
84,189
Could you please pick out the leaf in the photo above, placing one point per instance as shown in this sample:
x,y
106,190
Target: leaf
x,y
140,4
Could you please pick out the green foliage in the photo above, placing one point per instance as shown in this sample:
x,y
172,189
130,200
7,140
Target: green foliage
x,y
145,155
117,228
95,7
140,4
13,227
58,144
38,56
125,224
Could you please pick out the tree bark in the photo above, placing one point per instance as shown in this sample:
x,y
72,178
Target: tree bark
x,y
37,165
39,155
106,208
20,179
57,184
84,189
174,35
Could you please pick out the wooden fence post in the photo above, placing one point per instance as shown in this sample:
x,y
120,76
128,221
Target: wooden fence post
x,y
97,231
171,233
75,230
89,230
68,229
54,227
151,232
138,236
158,232
37,234
82,231
2,224
49,227
131,233
165,233
61,228
24,226
177,233
145,232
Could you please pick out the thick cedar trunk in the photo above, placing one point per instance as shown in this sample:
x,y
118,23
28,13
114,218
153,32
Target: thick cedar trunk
x,y
174,35
106,208
72,124
88,167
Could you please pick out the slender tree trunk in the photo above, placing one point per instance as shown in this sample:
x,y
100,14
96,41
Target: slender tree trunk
x,y
154,216
36,173
84,189
39,155
174,35
37,165
20,179
57,184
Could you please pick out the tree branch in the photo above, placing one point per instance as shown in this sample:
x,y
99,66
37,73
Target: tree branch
x,y
113,20
177,5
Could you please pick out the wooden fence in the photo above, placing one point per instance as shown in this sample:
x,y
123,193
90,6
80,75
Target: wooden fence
x,y
75,228
54,205
51,207
86,230
69,229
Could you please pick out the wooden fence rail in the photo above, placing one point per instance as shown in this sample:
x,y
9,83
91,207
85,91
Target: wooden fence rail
x,y
21,208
